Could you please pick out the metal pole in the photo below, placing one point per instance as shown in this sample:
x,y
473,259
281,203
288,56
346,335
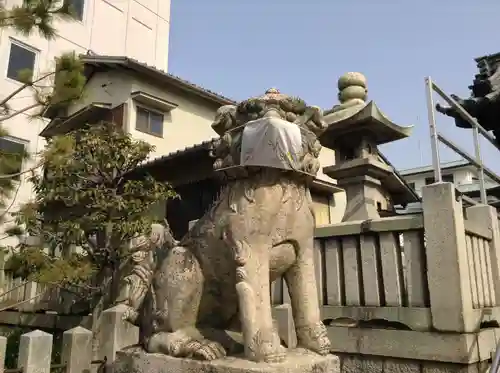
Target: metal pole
x,y
432,128
477,149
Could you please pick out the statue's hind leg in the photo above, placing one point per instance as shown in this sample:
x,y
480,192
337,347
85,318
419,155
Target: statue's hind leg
x,y
178,291
301,282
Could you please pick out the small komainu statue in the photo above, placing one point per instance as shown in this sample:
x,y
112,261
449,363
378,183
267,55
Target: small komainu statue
x,y
214,284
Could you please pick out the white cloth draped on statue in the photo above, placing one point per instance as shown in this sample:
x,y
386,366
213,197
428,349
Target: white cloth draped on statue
x,y
271,142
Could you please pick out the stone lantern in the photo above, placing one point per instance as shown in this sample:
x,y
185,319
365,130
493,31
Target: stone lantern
x,y
355,130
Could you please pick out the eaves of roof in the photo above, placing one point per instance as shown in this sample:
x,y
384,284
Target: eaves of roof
x,y
158,75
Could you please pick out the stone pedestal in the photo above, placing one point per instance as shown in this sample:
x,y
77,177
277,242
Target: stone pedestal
x,y
362,194
298,361
361,180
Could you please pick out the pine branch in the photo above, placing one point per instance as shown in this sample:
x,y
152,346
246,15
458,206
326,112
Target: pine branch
x,y
11,176
28,84
5,212
20,111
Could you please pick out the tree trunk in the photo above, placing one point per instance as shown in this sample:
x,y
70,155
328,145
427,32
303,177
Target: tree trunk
x,y
111,277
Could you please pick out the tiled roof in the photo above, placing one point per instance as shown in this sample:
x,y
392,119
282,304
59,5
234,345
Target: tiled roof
x,y
141,67
188,149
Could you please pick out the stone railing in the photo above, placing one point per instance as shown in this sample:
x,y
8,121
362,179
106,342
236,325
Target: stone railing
x,y
373,270
26,296
366,276
478,244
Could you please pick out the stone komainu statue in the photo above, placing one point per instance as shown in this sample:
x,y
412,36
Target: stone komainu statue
x,y
484,103
214,285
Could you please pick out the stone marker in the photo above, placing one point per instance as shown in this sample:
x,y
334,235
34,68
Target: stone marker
x,y
35,352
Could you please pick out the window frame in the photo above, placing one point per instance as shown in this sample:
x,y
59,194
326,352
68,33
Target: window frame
x,y
149,110
84,3
27,47
22,142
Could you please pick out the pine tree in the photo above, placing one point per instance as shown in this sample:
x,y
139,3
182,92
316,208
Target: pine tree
x,y
87,200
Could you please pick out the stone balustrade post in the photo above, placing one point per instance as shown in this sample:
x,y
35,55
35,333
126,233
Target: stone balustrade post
x,y
447,267
115,333
283,318
77,350
30,290
35,352
2,272
3,352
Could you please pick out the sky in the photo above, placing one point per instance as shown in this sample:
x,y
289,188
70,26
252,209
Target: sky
x,y
241,48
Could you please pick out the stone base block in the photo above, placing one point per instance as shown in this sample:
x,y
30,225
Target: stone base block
x,y
298,361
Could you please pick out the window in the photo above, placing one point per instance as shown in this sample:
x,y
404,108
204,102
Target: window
x,y
20,59
12,154
430,180
411,185
448,178
77,7
149,121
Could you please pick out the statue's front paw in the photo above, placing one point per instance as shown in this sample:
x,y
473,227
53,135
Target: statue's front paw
x,y
314,338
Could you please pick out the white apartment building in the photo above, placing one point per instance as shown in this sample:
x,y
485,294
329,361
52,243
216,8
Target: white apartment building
x,y
133,28
461,173
457,172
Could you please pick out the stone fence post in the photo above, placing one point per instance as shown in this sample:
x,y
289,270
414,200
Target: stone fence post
x,y
30,291
2,272
77,350
115,333
447,267
283,319
35,352
3,352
